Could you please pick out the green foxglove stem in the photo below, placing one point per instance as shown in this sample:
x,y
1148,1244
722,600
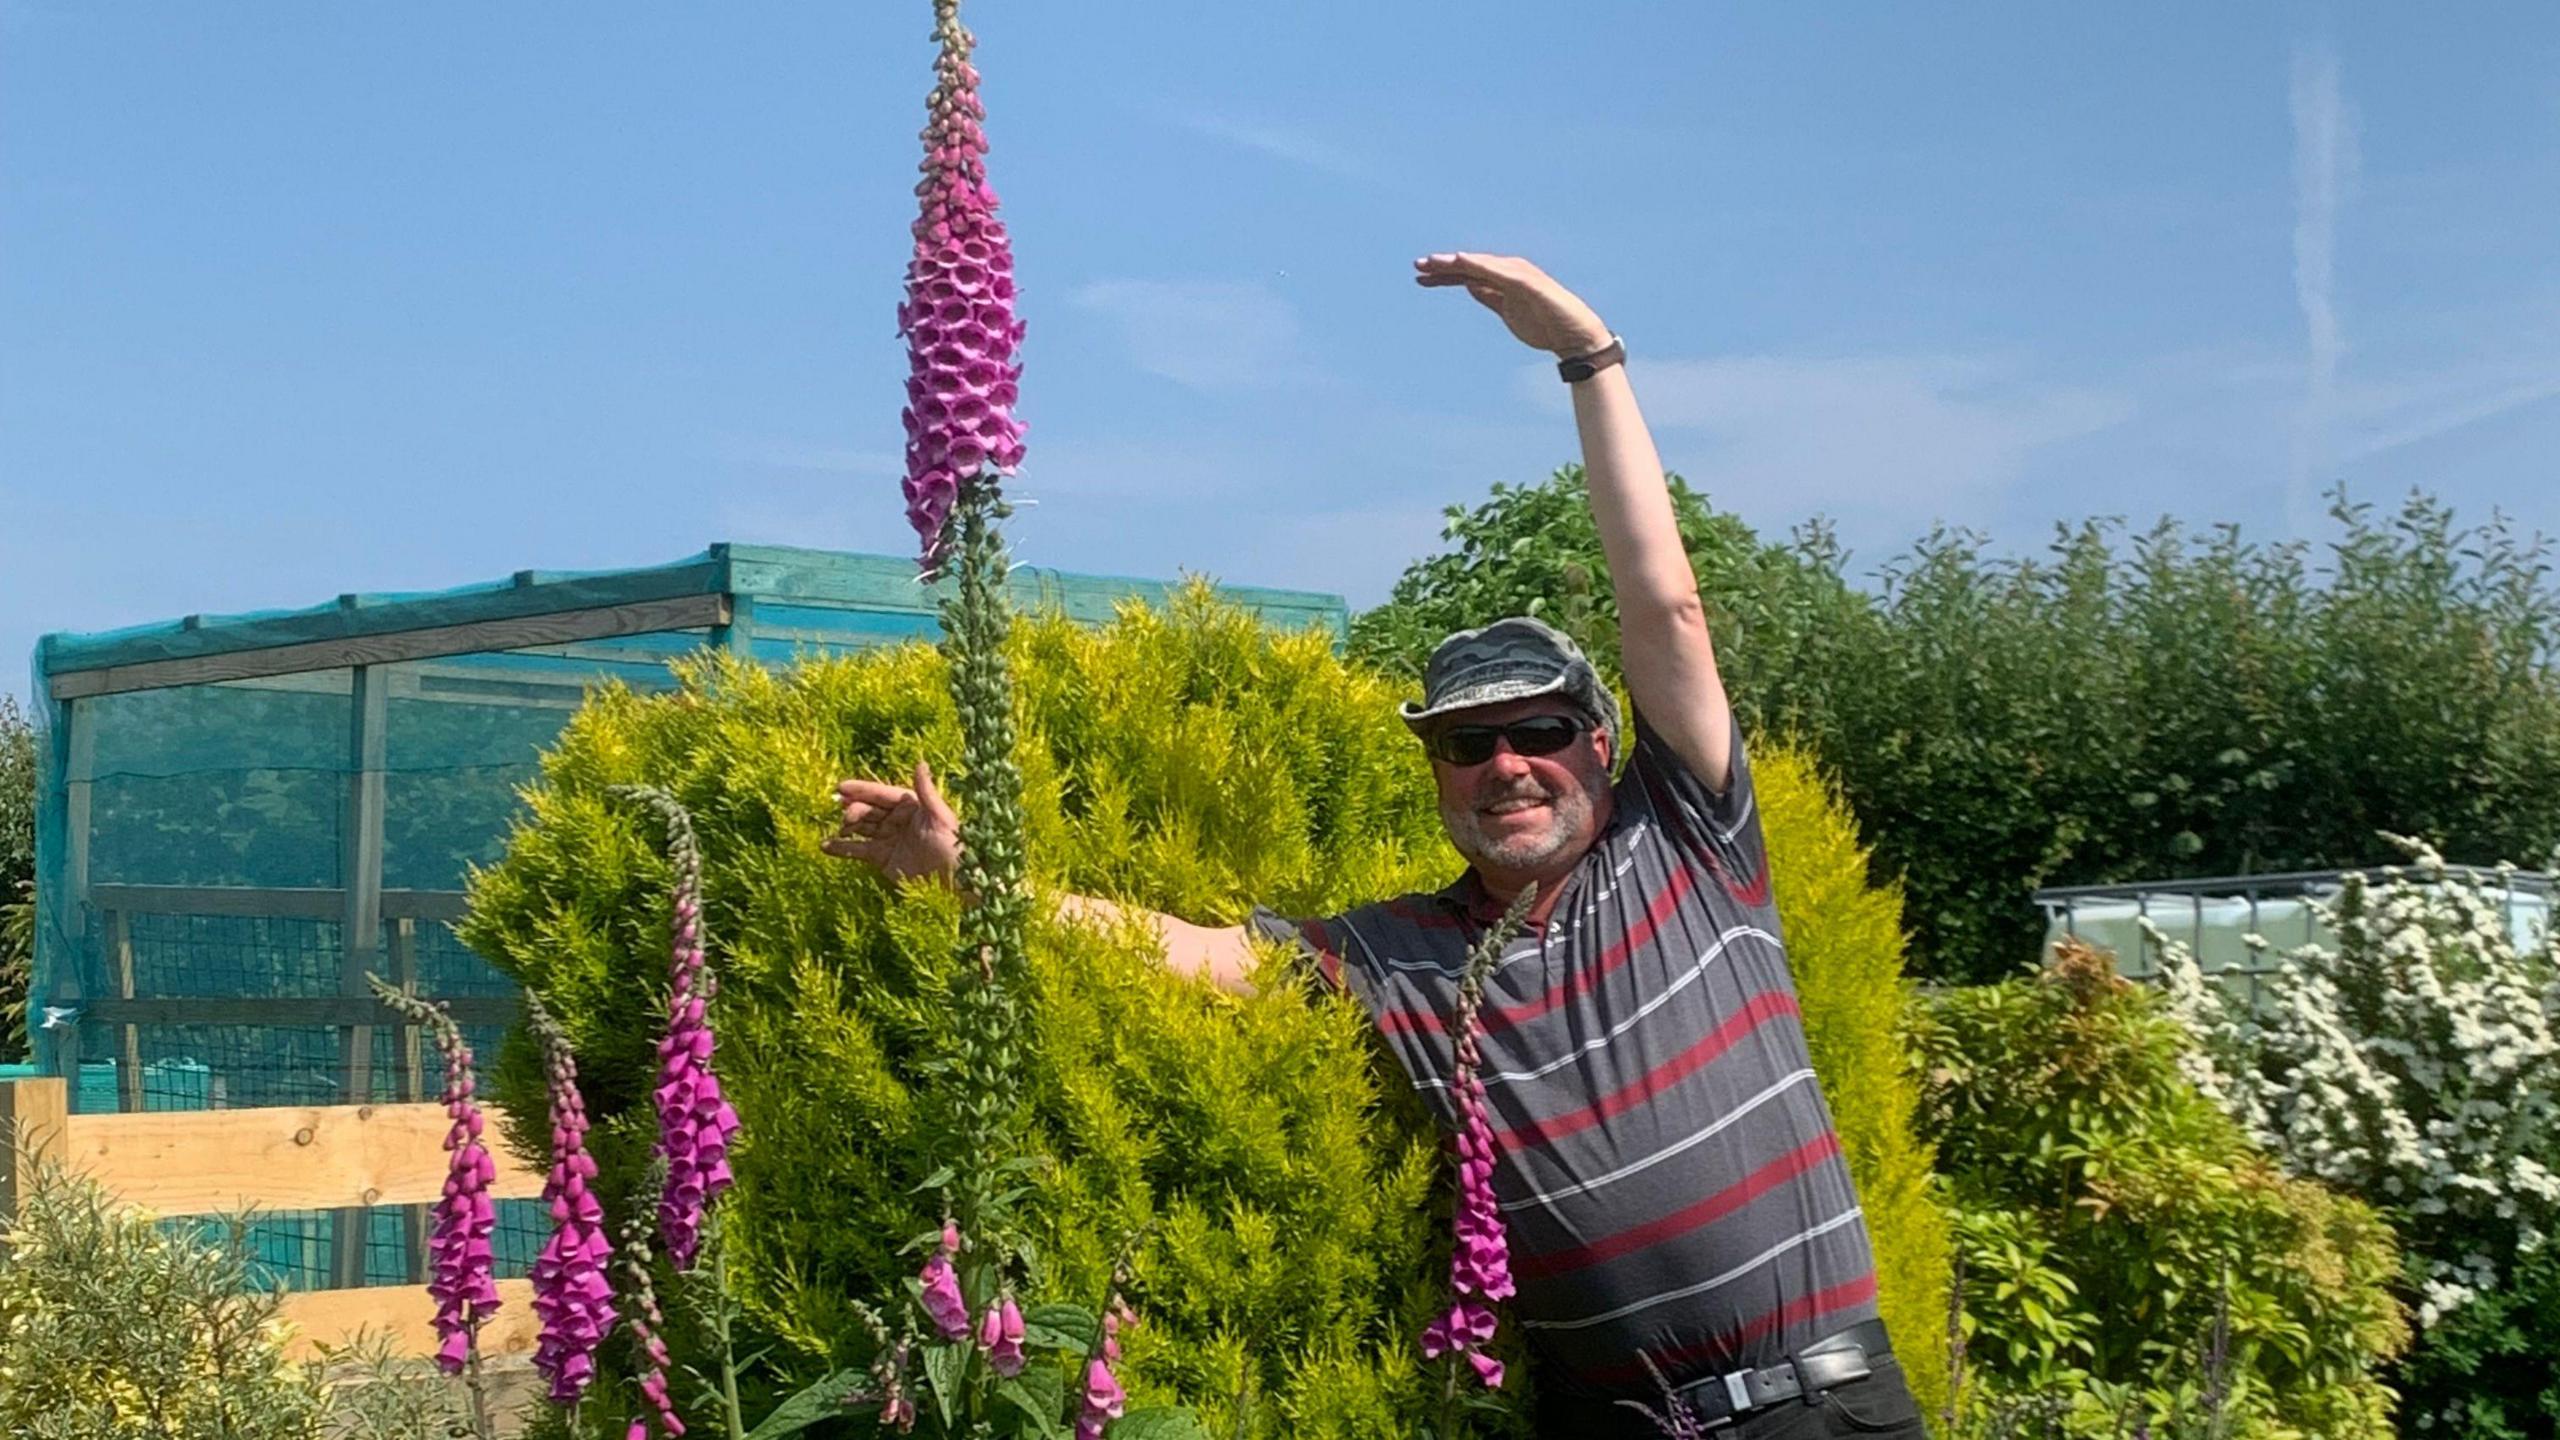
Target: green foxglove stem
x,y
977,622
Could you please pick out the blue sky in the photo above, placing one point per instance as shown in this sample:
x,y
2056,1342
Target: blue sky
x,y
303,298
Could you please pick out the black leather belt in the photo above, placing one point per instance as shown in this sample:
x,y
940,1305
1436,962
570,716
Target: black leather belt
x,y
1720,1400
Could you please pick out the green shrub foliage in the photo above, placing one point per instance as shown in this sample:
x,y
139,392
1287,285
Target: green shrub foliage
x,y
2233,706
1193,763
1291,1197
2487,1371
1844,945
111,1326
2111,1215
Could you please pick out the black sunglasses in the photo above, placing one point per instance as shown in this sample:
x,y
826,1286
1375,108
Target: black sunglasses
x,y
1473,744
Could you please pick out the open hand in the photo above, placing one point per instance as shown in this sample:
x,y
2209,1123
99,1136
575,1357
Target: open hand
x,y
1544,314
904,834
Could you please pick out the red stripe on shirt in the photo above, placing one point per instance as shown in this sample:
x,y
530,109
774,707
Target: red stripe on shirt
x,y
1638,935
1328,964
1760,1009
1843,1296
1687,1218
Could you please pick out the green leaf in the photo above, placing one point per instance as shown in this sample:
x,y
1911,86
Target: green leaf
x,y
819,1400
1059,1327
946,1367
1040,1393
1162,1422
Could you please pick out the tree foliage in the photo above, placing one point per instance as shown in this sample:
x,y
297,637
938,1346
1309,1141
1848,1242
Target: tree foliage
x,y
2122,706
17,873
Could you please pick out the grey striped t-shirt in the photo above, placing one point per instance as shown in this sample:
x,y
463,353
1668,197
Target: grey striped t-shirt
x,y
1668,1169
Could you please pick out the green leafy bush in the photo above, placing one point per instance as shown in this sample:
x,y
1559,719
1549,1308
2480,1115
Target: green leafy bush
x,y
2112,1217
111,1327
2487,1370
1290,1192
2233,708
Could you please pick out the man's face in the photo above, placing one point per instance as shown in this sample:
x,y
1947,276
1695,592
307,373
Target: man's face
x,y
1519,812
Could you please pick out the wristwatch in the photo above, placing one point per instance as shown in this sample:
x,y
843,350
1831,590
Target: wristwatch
x,y
1583,367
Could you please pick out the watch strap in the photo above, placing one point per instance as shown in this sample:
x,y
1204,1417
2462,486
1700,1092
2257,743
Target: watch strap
x,y
1583,367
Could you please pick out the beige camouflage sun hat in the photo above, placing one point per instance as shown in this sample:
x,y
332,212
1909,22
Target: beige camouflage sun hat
x,y
1511,659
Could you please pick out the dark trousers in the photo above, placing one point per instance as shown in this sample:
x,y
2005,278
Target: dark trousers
x,y
1879,1405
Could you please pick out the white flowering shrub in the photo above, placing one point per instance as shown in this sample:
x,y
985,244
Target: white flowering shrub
x,y
2414,1064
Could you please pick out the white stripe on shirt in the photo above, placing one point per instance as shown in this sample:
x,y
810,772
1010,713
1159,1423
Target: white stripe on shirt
x,y
1548,1198
1793,1242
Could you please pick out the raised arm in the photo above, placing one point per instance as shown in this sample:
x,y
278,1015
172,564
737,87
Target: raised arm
x,y
910,833
1662,628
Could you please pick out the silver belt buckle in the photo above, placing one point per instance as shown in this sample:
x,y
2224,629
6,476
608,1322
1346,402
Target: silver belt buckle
x,y
1737,1389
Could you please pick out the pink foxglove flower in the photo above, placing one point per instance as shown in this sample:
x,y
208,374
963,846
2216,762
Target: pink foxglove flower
x,y
461,1265
1000,1334
957,318
943,1303
695,1121
1103,1401
571,1292
1480,1253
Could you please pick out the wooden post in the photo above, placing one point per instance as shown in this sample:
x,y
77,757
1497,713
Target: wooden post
x,y
34,1122
413,1083
119,941
360,938
59,1046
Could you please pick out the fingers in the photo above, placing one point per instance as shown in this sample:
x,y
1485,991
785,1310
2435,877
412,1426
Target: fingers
x,y
853,847
1460,267
871,792
930,795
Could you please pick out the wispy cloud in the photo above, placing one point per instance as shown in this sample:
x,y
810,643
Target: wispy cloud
x,y
2324,165
1283,143
1208,335
2442,411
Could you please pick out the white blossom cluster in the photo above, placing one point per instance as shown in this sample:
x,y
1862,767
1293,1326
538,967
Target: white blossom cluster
x,y
2414,1064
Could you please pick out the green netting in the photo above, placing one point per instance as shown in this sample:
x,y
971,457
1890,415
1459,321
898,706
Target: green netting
x,y
197,826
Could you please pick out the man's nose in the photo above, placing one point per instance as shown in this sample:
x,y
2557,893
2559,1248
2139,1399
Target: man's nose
x,y
1506,761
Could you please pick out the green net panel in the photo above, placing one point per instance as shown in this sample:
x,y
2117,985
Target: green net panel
x,y
241,815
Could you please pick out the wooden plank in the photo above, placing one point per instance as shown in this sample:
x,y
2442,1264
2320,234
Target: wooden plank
x,y
34,1128
311,1010
212,1162
688,612
129,1037
445,905
404,1315
293,903
287,902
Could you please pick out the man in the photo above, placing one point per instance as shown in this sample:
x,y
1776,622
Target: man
x,y
1669,1176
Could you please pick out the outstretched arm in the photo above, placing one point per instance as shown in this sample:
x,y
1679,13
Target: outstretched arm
x,y
1662,628
910,833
